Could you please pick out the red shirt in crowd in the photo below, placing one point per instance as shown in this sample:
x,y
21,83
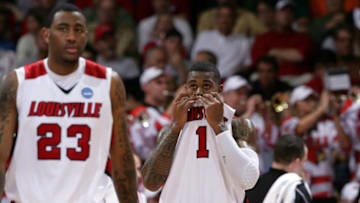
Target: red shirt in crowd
x,y
284,40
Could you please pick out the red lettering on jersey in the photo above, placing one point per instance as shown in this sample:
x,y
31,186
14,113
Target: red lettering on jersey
x,y
70,108
50,107
196,113
55,109
32,109
96,113
41,108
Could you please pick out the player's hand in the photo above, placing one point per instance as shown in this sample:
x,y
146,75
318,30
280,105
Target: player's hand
x,y
324,101
214,109
182,103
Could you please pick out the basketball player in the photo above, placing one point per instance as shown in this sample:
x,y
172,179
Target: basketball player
x,y
197,159
64,110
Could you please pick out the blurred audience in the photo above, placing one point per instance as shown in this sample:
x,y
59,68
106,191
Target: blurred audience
x,y
245,22
152,25
105,44
292,50
231,50
25,46
268,84
108,12
317,121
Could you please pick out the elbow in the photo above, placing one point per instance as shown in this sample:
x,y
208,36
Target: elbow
x,y
252,178
148,181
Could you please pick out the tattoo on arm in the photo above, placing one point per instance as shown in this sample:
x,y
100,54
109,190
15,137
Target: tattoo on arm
x,y
8,119
156,169
124,175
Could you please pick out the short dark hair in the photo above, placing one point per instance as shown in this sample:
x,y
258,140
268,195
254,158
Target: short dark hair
x,y
174,33
206,66
288,148
269,60
229,6
38,14
61,7
212,56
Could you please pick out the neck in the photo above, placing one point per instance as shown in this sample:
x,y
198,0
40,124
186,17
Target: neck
x,y
279,166
283,28
61,67
225,33
153,102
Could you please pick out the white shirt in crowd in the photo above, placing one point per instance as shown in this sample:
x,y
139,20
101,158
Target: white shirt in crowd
x,y
232,52
146,26
126,67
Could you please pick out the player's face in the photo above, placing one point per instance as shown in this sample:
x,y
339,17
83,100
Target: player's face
x,y
67,36
202,82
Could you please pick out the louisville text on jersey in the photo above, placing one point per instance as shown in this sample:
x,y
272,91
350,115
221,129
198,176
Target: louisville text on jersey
x,y
56,109
197,113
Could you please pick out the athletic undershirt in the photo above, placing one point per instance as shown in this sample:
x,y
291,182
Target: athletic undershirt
x,y
68,81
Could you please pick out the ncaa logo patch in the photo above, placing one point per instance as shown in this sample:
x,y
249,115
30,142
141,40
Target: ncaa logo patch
x,y
87,93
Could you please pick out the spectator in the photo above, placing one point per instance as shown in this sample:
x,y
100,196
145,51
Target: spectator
x,y
105,44
157,57
204,55
25,46
267,83
6,35
292,50
285,180
146,25
143,131
265,13
319,125
245,22
231,50
323,26
326,59
108,12
235,94
41,48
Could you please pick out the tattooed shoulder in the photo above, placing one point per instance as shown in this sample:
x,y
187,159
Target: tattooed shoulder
x,y
117,91
8,87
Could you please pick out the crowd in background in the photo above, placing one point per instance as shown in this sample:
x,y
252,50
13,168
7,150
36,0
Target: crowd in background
x,y
271,54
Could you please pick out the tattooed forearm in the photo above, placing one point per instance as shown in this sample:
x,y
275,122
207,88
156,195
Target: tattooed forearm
x,y
156,169
124,175
8,119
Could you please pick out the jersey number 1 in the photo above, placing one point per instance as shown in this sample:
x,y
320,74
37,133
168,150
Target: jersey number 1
x,y
48,146
202,152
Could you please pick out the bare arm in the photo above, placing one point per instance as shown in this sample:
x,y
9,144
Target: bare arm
x,y
8,120
156,169
124,175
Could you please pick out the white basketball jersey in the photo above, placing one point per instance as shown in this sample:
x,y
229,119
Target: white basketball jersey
x,y
63,138
197,173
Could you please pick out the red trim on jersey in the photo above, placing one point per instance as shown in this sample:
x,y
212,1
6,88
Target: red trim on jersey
x,y
108,168
158,125
35,70
347,105
321,179
166,115
322,195
138,110
95,70
286,119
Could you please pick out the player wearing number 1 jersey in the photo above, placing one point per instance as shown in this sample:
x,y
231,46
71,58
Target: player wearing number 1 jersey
x,y
197,158
66,112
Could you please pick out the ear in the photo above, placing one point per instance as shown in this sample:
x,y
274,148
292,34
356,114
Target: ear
x,y
45,32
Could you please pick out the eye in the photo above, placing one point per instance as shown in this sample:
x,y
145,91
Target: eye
x,y
193,86
206,86
63,29
79,30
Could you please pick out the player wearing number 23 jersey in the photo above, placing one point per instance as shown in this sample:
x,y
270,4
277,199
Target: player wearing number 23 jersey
x,y
66,113
197,158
